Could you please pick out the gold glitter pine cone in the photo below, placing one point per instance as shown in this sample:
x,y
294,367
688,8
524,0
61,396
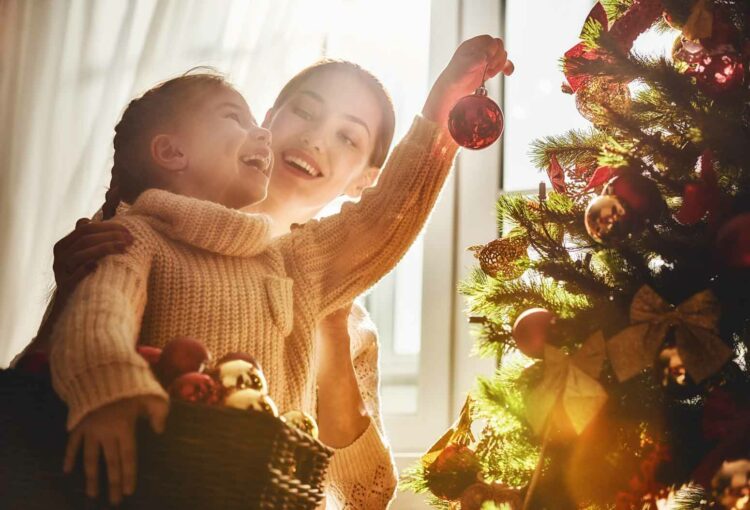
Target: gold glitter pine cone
x,y
497,257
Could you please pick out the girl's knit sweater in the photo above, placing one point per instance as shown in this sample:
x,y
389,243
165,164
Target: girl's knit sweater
x,y
201,270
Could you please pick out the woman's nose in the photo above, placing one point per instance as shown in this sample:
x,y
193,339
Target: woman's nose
x,y
307,141
262,134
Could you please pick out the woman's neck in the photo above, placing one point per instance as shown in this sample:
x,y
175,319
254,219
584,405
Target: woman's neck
x,y
283,214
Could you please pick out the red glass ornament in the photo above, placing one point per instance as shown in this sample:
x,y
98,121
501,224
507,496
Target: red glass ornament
x,y
694,204
720,73
639,193
476,121
149,353
180,356
196,387
531,331
455,469
733,242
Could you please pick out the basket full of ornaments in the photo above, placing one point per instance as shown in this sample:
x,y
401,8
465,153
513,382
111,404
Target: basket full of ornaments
x,y
225,444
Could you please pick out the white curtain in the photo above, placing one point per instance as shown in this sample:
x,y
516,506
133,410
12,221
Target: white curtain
x,y
67,70
69,67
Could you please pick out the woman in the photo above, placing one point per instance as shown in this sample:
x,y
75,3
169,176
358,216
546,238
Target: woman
x,y
332,126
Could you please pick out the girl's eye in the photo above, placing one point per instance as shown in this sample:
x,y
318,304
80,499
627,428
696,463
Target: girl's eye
x,y
233,116
303,113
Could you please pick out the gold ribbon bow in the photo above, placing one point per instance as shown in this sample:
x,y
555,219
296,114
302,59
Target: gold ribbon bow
x,y
696,333
459,433
571,379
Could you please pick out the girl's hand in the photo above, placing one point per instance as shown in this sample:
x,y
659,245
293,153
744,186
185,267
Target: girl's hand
x,y
112,428
77,253
463,75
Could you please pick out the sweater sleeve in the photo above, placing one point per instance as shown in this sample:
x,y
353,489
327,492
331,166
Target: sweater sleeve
x,y
362,476
93,358
341,256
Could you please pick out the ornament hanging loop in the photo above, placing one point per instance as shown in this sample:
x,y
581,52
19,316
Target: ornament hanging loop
x,y
482,90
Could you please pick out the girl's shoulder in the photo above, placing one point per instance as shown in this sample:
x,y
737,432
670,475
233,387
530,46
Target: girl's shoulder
x,y
140,228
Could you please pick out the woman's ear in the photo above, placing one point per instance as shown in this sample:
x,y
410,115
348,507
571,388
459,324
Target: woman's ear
x,y
366,179
167,153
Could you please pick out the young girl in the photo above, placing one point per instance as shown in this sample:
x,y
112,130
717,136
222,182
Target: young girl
x,y
306,253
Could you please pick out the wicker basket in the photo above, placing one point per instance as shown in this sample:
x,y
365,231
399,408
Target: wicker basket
x,y
208,458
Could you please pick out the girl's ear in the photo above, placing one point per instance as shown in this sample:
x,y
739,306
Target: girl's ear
x,y
268,118
366,179
167,153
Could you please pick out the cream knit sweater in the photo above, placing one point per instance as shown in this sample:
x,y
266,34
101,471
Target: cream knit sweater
x,y
363,476
201,270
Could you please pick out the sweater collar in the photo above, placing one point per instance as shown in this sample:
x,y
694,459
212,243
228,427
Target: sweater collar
x,y
204,224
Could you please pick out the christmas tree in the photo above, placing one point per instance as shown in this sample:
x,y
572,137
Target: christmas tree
x,y
626,288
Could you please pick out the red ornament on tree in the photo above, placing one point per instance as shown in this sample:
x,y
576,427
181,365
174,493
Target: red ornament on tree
x,y
719,73
733,242
639,194
455,469
476,121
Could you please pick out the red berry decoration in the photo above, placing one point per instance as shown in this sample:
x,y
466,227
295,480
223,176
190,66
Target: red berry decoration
x,y
733,242
180,356
149,353
531,331
452,472
197,388
476,121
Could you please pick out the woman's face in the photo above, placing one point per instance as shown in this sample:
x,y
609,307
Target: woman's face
x,y
323,137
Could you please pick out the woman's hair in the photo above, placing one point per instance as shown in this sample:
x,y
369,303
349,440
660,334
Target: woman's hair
x,y
388,123
158,107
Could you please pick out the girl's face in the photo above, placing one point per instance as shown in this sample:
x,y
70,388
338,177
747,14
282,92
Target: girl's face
x,y
227,156
323,137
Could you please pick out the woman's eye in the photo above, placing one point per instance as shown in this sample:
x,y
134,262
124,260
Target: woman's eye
x,y
233,116
303,113
347,140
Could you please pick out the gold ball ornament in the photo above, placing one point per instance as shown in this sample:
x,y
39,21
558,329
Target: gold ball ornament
x,y
302,422
239,374
497,257
731,485
607,219
672,367
531,331
601,94
248,399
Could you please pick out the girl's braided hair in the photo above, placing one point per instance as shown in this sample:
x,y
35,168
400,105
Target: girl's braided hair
x,y
157,107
